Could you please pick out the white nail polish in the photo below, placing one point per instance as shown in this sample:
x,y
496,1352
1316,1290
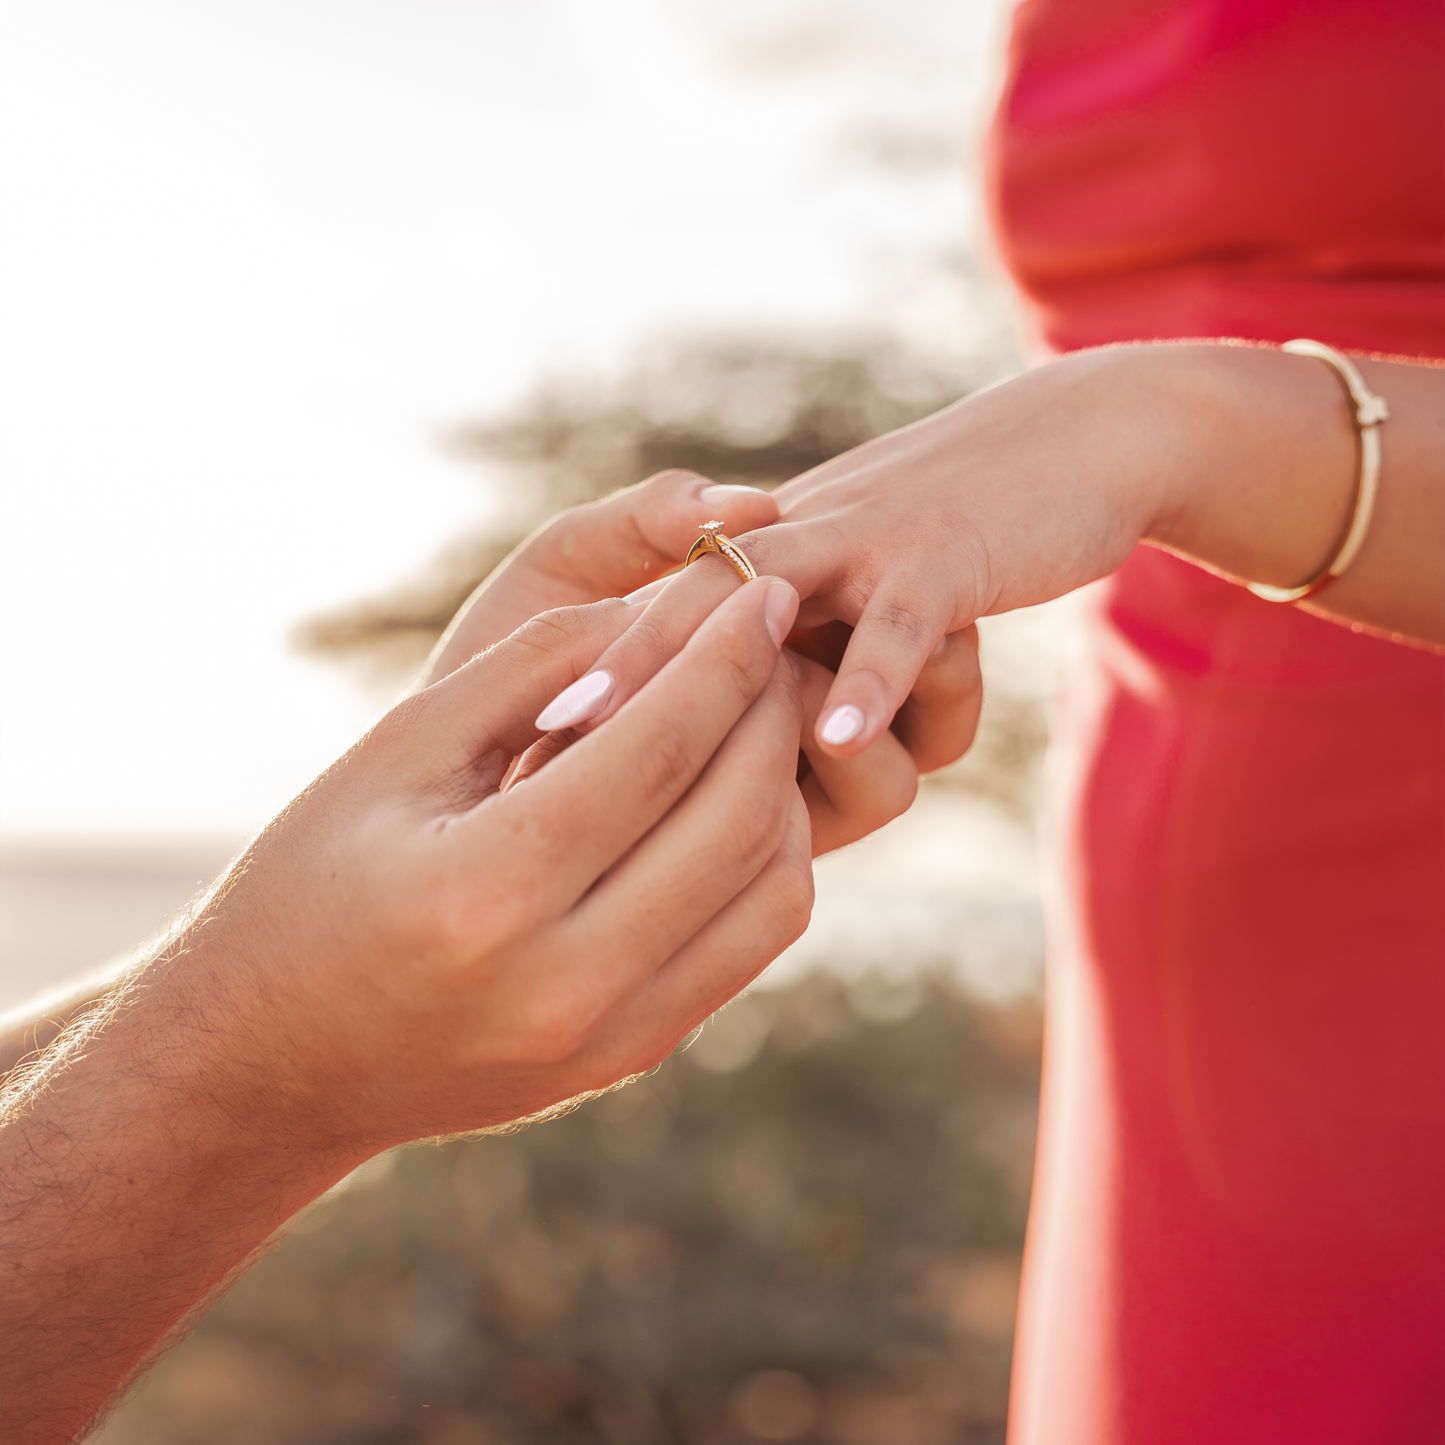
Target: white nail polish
x,y
575,704
842,724
644,595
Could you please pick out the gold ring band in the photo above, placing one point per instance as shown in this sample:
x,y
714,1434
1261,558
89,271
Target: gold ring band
x,y
712,540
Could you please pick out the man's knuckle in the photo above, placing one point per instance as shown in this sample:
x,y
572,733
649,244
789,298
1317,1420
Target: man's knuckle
x,y
647,642
414,905
745,668
550,1029
548,631
452,926
747,671
792,900
784,692
754,830
668,766
404,717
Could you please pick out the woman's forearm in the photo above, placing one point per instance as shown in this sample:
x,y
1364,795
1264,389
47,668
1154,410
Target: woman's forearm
x,y
1261,464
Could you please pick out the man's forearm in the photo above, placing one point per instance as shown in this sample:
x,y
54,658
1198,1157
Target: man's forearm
x,y
31,1028
115,1223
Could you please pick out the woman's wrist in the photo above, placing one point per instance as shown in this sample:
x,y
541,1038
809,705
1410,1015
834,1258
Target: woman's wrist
x,y
1258,460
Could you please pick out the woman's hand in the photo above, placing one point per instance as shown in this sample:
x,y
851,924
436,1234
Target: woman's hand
x,y
1241,458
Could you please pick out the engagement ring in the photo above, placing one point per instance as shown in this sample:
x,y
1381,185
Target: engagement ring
x,y
712,540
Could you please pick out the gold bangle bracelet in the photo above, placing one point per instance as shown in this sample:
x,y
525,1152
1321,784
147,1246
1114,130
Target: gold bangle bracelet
x,y
1370,411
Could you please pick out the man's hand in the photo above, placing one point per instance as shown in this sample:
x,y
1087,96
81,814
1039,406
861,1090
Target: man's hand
x,y
406,951
503,950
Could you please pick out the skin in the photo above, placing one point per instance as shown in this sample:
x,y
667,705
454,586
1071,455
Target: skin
x,y
1241,458
408,950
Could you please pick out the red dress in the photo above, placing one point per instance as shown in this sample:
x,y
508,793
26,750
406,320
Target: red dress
x,y
1238,1225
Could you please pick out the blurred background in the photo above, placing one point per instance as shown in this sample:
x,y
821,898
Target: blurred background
x,y
312,309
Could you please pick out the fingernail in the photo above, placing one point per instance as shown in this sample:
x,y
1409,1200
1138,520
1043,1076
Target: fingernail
x,y
646,594
842,723
719,494
780,606
940,647
577,703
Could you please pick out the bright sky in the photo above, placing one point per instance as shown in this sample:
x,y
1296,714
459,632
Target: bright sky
x,y
256,254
